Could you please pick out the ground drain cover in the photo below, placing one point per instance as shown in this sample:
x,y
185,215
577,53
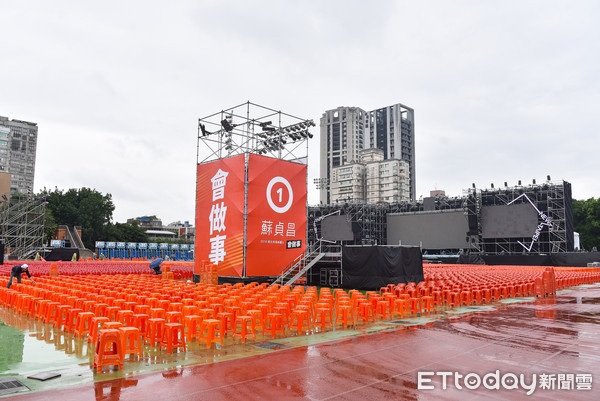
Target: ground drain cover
x,y
269,345
11,386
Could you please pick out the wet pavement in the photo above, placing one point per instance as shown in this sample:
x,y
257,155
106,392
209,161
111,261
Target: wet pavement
x,y
548,347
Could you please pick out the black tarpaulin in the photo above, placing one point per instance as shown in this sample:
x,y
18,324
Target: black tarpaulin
x,y
62,254
373,267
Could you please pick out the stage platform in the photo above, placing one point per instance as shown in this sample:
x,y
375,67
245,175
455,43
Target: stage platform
x,y
554,341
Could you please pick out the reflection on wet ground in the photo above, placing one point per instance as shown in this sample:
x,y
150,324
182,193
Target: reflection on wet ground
x,y
558,335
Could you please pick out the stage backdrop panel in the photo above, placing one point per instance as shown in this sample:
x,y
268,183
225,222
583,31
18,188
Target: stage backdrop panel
x,y
336,228
220,215
276,225
508,221
373,267
434,230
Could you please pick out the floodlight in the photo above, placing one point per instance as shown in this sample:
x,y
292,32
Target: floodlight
x,y
204,131
226,125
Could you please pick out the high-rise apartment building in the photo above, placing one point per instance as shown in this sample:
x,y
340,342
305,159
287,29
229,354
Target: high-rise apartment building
x,y
372,180
346,131
18,144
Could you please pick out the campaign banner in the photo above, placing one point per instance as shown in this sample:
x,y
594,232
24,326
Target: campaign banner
x,y
220,216
276,224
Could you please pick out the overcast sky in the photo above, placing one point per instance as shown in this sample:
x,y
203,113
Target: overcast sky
x,y
502,91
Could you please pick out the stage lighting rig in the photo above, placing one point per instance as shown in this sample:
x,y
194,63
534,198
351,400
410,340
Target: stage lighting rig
x,y
251,128
203,129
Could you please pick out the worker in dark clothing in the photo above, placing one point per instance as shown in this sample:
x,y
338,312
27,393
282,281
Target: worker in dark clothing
x,y
16,271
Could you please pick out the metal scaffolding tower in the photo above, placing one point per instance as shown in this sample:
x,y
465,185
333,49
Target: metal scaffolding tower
x,y
22,221
251,128
550,199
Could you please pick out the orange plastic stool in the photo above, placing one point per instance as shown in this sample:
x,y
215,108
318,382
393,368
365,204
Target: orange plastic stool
x,y
125,316
154,331
42,309
100,309
227,323
274,324
300,321
111,312
84,324
156,313
174,317
173,337
51,312
109,349
365,310
140,320
346,314
208,332
414,306
61,316
427,304
257,320
400,308
145,309
323,318
382,308
191,325
242,322
95,326
132,340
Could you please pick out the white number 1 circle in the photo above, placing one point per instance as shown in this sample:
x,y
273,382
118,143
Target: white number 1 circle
x,y
288,205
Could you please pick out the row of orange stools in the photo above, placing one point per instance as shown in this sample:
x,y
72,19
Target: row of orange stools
x,y
169,314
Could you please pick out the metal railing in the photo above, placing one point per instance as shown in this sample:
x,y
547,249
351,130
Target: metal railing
x,y
298,263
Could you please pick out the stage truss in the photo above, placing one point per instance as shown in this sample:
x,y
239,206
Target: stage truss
x,y
550,198
251,128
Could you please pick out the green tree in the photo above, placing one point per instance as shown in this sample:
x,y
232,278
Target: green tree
x,y
586,221
84,207
124,232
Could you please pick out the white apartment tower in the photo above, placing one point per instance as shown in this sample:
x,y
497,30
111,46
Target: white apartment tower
x,y
373,180
18,144
346,131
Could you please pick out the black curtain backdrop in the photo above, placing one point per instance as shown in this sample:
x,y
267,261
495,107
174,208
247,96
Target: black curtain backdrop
x,y
62,254
373,267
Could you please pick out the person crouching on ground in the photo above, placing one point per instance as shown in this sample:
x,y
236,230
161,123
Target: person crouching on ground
x,y
16,271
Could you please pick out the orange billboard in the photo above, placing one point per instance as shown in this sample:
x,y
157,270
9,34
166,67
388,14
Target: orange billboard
x,y
220,216
276,223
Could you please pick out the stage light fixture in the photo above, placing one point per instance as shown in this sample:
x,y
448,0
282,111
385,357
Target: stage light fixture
x,y
505,184
519,182
226,125
204,131
548,177
492,184
533,181
473,185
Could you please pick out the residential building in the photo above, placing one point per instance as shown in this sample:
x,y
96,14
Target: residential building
x,y
18,144
346,131
373,180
